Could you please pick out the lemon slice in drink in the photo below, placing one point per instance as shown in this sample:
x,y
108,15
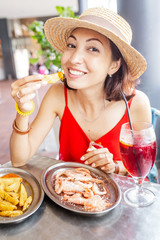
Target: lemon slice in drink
x,y
126,145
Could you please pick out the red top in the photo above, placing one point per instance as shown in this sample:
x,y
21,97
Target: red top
x,y
74,142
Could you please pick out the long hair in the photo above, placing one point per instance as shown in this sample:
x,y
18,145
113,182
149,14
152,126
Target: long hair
x,y
119,80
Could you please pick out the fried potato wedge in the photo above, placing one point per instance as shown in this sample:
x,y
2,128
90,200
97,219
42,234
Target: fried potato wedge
x,y
27,203
9,181
2,186
53,78
6,206
14,195
7,197
13,187
11,213
23,195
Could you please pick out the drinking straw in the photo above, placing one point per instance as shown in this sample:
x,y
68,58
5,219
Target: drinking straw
x,y
138,168
127,110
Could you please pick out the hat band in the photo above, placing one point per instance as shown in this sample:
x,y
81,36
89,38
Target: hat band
x,y
103,23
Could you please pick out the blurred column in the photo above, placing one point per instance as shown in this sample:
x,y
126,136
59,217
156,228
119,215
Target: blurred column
x,y
83,5
144,18
7,52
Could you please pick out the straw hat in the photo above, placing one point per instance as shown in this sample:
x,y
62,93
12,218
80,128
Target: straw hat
x,y
104,21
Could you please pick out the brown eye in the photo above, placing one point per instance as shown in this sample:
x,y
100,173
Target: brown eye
x,y
69,45
93,49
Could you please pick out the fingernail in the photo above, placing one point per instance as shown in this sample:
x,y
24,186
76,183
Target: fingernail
x,y
32,95
91,148
103,168
93,165
82,158
86,162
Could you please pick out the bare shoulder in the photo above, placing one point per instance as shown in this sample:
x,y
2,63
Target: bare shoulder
x,y
140,107
141,97
57,88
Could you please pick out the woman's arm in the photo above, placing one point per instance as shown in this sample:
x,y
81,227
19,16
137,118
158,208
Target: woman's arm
x,y
22,147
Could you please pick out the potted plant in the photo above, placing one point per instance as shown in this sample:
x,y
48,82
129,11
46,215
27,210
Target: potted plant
x,y
49,55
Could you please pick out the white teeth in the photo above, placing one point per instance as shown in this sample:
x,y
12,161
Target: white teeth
x,y
76,72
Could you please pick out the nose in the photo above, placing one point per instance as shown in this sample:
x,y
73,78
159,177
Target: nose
x,y
77,56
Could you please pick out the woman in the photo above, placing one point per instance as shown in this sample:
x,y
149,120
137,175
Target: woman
x,y
99,63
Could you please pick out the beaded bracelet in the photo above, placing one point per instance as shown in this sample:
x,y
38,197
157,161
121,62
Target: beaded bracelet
x,y
17,130
22,113
116,167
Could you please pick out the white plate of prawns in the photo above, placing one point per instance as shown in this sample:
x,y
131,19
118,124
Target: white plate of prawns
x,y
80,188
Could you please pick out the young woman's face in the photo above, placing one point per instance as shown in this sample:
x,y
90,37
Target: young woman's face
x,y
87,59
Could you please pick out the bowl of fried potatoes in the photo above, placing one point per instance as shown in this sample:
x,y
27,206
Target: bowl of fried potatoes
x,y
20,195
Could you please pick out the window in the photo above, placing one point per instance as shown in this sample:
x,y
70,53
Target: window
x,y
111,4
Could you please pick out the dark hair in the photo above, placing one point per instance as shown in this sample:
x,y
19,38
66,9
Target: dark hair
x,y
119,80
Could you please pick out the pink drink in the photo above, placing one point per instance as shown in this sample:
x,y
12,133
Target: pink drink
x,y
138,159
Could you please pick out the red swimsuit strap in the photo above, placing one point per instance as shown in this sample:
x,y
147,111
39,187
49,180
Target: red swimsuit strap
x,y
65,94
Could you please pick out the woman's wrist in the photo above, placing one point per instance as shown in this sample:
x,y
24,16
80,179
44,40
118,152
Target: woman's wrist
x,y
21,122
122,169
19,131
117,169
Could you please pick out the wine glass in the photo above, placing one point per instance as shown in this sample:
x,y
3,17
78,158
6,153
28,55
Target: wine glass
x,y
138,153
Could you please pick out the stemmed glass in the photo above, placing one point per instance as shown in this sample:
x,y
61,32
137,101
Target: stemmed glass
x,y
138,153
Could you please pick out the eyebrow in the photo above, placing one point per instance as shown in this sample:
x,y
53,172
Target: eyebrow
x,y
88,40
71,36
94,39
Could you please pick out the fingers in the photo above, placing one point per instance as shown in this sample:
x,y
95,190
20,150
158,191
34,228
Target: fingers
x,y
27,98
109,168
27,92
101,158
23,90
28,79
25,107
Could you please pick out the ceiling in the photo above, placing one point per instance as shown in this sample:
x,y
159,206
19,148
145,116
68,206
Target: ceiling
x,y
33,8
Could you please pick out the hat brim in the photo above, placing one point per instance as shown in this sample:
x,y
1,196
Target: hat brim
x,y
57,31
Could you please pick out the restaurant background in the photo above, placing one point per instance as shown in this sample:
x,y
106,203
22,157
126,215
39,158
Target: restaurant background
x,y
16,44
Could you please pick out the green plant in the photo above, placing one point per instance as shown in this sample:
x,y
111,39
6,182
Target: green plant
x,y
50,56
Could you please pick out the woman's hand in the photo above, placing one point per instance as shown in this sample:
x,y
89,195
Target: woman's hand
x,y
100,158
23,90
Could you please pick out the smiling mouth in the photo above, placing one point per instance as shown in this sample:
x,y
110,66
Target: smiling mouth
x,y
76,72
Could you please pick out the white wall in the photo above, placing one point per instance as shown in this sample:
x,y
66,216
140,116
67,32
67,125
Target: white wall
x,y
111,4
33,8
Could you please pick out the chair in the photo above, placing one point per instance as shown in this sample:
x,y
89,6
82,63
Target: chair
x,y
155,114
153,174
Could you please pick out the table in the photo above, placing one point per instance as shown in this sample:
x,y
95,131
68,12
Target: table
x,y
53,222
